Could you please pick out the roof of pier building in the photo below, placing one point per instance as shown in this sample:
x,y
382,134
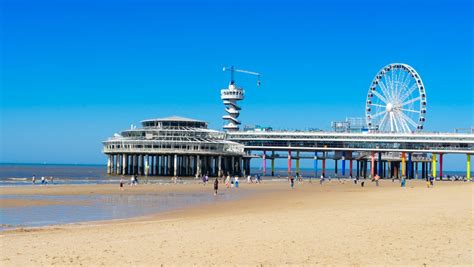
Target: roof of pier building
x,y
173,122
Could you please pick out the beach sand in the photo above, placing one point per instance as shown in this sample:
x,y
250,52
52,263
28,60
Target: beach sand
x,y
329,224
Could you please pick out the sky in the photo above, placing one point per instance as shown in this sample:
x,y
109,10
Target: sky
x,y
73,73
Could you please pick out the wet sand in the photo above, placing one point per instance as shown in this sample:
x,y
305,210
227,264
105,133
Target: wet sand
x,y
332,224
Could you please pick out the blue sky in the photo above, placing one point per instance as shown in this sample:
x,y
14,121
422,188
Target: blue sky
x,y
75,72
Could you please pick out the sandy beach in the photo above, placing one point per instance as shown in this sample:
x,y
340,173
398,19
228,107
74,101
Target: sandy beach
x,y
330,224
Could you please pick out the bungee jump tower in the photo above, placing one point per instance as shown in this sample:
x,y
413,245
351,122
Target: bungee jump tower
x,y
231,95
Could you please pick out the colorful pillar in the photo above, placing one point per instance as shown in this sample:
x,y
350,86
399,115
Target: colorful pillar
x,y
372,164
350,164
433,165
409,167
315,164
273,163
324,165
289,163
403,164
380,172
358,168
468,167
297,163
343,166
264,162
441,165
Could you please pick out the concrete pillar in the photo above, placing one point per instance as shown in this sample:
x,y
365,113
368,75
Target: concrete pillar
x,y
297,163
416,170
372,165
264,162
198,166
380,172
350,166
124,164
289,163
145,165
232,165
169,160
248,166
175,166
423,170
315,164
219,165
109,164
324,165
365,163
137,164
273,163
357,168
118,164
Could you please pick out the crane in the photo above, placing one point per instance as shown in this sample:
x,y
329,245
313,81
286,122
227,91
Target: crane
x,y
232,69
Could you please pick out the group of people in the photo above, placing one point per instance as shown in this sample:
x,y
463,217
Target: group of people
x,y
257,179
43,180
133,181
228,180
232,181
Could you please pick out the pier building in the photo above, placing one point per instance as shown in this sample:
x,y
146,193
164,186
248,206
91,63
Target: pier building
x,y
173,146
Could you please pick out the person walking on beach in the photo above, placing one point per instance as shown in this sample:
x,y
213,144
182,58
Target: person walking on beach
x,y
292,181
33,179
227,181
431,181
121,184
236,181
403,182
376,179
216,186
42,180
321,180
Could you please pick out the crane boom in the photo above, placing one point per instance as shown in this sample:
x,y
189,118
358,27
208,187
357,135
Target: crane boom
x,y
232,69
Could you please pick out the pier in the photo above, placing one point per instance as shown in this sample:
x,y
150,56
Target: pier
x,y
391,142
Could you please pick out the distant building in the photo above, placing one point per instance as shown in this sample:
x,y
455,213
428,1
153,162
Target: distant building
x,y
350,125
258,128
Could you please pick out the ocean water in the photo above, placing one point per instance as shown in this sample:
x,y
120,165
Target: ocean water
x,y
21,174
76,209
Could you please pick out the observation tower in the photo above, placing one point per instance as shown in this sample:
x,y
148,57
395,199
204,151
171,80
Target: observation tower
x,y
230,96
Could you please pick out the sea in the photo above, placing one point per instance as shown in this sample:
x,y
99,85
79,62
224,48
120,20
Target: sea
x,y
12,174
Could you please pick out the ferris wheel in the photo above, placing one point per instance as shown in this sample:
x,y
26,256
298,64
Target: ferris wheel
x,y
396,101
